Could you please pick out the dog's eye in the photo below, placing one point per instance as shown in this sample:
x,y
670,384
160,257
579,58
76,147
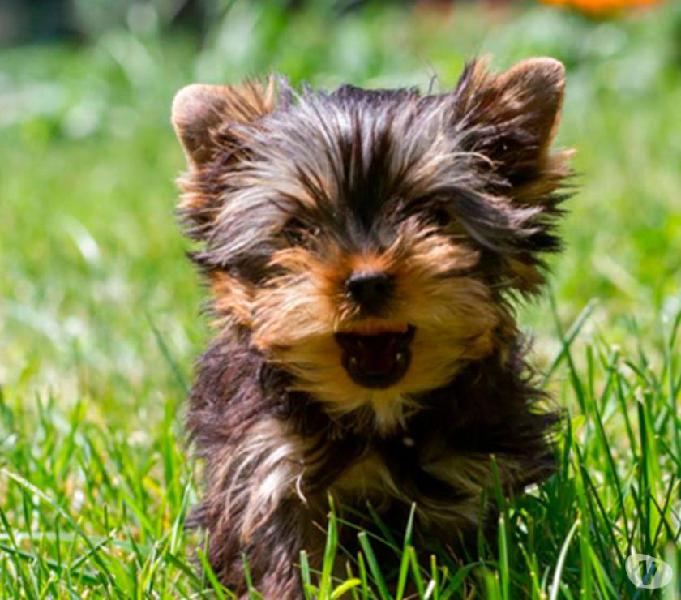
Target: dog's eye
x,y
441,217
299,233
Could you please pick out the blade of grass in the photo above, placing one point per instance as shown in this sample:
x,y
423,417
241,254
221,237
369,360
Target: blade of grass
x,y
555,586
325,584
374,567
567,339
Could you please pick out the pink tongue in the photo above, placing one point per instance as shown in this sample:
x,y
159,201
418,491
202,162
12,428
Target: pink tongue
x,y
376,354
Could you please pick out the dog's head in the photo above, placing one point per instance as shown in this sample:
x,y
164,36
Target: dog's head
x,y
369,240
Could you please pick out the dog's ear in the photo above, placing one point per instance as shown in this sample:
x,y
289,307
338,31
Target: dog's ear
x,y
510,120
201,113
209,120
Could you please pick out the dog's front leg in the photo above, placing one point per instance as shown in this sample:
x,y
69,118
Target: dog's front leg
x,y
256,510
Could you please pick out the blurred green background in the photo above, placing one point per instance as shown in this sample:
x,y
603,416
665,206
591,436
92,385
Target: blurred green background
x,y
100,311
92,260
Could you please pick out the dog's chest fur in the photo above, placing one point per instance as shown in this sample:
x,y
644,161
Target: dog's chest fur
x,y
442,450
439,455
404,469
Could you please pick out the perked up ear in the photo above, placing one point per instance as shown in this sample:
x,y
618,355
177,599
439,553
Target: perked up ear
x,y
509,120
200,111
512,118
206,119
537,86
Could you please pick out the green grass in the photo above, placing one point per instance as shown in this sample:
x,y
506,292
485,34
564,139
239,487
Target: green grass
x,y
99,311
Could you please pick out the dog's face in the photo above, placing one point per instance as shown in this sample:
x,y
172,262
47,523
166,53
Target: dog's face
x,y
369,241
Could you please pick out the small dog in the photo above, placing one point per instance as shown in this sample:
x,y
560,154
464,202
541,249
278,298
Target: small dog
x,y
364,249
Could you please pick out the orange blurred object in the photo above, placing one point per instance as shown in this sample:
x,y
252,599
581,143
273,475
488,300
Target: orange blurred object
x,y
599,7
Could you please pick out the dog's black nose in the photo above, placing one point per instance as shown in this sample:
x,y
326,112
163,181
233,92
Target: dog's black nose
x,y
370,289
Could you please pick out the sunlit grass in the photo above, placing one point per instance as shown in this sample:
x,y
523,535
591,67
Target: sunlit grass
x,y
99,310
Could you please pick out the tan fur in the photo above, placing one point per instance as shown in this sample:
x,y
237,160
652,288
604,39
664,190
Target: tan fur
x,y
367,478
233,298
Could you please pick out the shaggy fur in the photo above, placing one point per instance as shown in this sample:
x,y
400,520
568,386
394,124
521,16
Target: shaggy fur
x,y
395,391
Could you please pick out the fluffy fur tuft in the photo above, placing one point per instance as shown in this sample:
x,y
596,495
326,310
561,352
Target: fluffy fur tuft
x,y
364,249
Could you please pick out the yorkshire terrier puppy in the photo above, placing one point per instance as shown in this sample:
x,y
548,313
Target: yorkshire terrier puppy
x,y
364,249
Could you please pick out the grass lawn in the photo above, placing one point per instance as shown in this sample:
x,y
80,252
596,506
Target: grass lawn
x,y
100,322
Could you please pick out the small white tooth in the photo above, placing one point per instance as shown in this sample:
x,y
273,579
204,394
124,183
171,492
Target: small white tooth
x,y
353,361
399,356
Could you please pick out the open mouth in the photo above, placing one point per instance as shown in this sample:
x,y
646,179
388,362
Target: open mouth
x,y
376,359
